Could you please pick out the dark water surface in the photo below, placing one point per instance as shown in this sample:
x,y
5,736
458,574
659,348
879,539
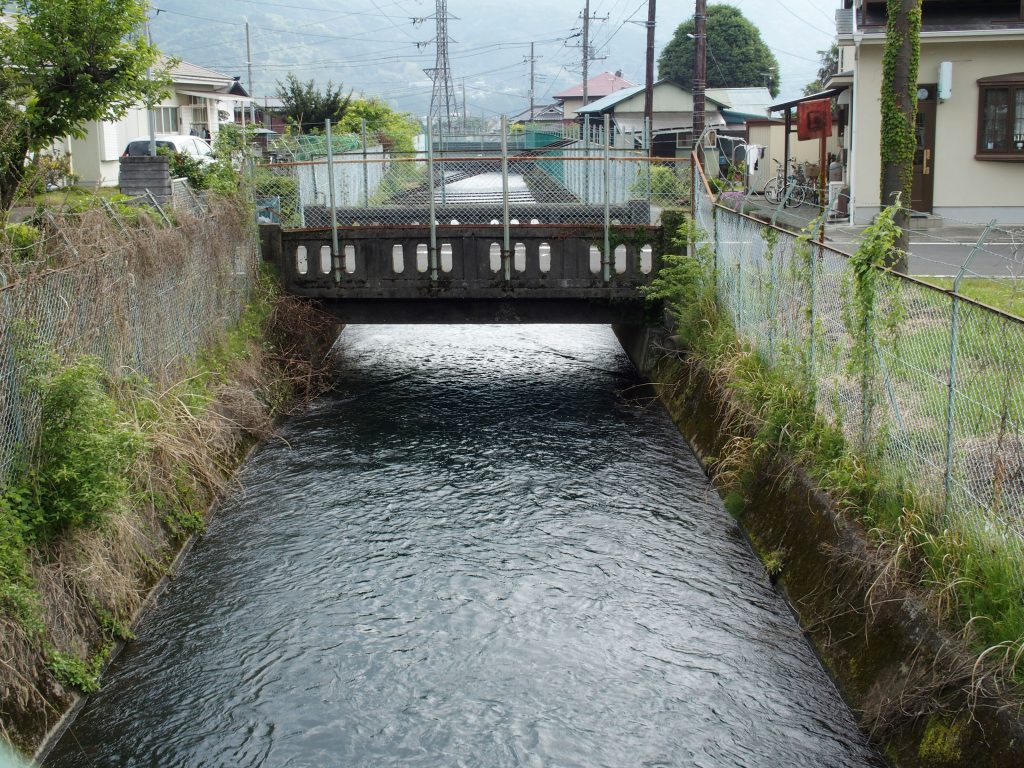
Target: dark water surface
x,y
486,550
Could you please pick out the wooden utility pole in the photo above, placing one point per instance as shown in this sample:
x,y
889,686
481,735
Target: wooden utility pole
x,y
252,95
899,111
532,60
700,67
586,48
649,82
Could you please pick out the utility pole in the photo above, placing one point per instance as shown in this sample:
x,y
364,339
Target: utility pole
x,y
586,49
588,55
532,60
700,67
151,115
465,124
248,56
649,82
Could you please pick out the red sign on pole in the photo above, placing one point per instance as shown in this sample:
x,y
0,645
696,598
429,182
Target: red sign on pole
x,y
814,119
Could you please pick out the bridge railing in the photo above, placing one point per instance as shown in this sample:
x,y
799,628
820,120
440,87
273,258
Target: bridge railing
x,y
566,181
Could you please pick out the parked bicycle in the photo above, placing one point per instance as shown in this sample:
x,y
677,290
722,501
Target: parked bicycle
x,y
775,189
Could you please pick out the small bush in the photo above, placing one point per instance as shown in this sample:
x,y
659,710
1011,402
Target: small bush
x,y
22,240
187,167
78,471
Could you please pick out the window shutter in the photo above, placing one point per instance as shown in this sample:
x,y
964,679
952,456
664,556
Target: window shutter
x,y
110,146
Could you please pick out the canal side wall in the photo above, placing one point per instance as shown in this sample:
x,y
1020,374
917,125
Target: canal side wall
x,y
163,336
914,686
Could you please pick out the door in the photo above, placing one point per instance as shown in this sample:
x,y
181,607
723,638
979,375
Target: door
x,y
924,154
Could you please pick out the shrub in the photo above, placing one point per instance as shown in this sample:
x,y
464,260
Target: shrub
x,y
78,471
21,239
187,167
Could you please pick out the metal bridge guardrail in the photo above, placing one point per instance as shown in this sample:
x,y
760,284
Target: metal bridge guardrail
x,y
568,181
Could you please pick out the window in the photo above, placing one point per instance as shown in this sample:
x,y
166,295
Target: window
x,y
1001,118
166,119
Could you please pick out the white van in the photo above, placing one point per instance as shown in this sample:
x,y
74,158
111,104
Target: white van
x,y
186,145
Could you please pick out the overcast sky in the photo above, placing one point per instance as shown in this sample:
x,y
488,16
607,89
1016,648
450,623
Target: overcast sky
x,y
376,47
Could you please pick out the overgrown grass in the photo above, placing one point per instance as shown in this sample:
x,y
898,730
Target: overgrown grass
x,y
968,563
70,196
1006,294
106,447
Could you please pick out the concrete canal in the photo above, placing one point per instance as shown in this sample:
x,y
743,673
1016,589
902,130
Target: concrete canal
x,y
488,548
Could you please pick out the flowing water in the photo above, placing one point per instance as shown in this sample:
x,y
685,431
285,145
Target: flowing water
x,y
488,548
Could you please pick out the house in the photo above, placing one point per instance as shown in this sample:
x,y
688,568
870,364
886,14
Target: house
x,y
200,100
969,164
541,113
268,110
598,87
672,120
740,105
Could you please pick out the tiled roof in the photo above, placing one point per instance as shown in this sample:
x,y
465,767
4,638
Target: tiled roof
x,y
184,72
602,85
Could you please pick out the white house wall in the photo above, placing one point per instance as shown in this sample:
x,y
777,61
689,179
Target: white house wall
x,y
965,188
773,138
96,158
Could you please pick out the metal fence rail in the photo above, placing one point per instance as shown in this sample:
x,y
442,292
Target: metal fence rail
x,y
940,399
594,178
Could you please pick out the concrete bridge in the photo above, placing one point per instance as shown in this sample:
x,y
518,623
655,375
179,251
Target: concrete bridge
x,y
558,233
392,274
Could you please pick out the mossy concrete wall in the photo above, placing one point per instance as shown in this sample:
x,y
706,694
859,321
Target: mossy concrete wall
x,y
910,682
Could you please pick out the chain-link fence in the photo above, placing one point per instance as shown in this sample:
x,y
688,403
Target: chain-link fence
x,y
939,393
119,284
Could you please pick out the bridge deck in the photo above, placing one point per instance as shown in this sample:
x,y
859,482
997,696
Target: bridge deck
x,y
549,272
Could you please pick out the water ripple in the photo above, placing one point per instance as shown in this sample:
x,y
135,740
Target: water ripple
x,y
486,550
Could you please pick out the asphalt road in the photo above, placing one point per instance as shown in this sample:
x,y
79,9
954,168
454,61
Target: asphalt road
x,y
937,250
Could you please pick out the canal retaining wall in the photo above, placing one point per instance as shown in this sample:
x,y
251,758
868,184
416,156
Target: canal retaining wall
x,y
917,689
140,357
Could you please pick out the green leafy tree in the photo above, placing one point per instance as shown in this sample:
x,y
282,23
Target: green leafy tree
x,y
65,63
306,107
394,130
829,67
737,56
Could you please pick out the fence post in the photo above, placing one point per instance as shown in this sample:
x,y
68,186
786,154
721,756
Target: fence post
x,y
782,203
954,327
335,259
606,254
366,170
113,216
586,162
647,161
440,140
432,213
506,238
159,208
813,314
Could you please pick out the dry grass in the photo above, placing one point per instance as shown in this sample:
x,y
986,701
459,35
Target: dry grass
x,y
145,297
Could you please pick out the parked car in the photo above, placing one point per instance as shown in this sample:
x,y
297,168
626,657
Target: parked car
x,y
186,145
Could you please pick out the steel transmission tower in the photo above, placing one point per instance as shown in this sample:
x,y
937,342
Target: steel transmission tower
x,y
442,98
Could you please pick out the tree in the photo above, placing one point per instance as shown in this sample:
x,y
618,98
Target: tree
x,y
306,108
394,130
899,111
66,63
737,56
829,67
